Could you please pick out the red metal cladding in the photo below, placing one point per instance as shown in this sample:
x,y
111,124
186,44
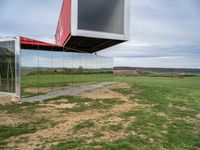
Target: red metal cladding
x,y
63,32
27,41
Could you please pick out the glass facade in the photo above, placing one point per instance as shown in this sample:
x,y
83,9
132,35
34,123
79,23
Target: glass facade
x,y
37,71
7,66
45,72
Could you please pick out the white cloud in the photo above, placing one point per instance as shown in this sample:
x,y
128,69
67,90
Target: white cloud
x,y
160,30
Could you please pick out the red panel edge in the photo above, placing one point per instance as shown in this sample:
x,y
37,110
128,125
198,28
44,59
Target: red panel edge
x,y
63,31
28,41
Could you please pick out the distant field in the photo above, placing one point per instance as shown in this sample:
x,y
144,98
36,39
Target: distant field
x,y
138,113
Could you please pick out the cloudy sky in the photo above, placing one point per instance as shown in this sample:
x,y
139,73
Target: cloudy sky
x,y
164,33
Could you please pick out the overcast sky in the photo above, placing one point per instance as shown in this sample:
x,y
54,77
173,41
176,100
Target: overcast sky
x,y
164,33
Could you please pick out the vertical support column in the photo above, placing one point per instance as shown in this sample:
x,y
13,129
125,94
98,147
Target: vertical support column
x,y
18,67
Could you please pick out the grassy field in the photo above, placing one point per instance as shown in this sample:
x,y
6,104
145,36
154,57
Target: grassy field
x,y
148,113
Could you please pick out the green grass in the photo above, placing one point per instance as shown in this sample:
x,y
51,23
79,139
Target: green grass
x,y
179,99
67,144
116,127
146,123
19,108
179,129
98,134
127,143
7,131
84,124
168,119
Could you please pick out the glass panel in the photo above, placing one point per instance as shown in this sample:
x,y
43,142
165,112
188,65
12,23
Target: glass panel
x,y
75,69
46,72
109,68
68,76
58,67
81,70
95,71
84,65
29,73
7,66
78,69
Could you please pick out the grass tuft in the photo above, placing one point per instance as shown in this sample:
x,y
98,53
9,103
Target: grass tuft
x,y
84,124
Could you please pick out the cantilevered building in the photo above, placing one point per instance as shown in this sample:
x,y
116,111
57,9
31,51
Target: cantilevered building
x,y
30,67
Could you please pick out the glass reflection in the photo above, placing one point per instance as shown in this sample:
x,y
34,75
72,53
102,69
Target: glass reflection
x,y
7,66
29,73
46,72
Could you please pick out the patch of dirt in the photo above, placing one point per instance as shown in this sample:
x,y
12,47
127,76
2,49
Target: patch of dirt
x,y
144,137
58,132
170,105
120,86
183,108
111,135
109,118
6,99
126,107
198,116
65,128
162,114
59,106
103,93
66,121
191,120
8,119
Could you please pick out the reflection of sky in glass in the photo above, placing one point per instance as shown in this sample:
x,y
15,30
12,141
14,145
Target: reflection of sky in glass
x,y
49,59
9,45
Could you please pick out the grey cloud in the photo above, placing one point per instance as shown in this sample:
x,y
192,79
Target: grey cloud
x,y
164,33
30,18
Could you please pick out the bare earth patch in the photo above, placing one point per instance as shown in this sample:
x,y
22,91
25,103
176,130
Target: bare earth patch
x,y
103,93
162,114
5,99
10,119
65,128
102,119
198,116
120,86
59,106
107,93
183,108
